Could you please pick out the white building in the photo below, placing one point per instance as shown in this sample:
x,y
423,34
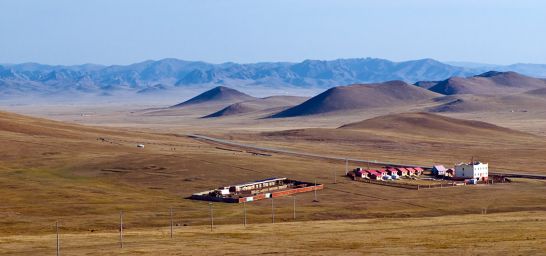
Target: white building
x,y
475,170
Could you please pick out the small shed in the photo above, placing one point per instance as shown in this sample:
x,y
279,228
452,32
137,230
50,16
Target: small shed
x,y
439,170
375,175
363,174
383,173
418,170
392,171
402,171
411,171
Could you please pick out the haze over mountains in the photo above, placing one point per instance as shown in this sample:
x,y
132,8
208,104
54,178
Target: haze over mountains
x,y
163,76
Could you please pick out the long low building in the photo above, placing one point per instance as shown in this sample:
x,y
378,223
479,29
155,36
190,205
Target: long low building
x,y
257,190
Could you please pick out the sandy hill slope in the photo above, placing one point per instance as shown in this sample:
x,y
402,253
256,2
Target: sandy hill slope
x,y
32,127
434,138
426,84
541,92
360,96
272,102
429,124
207,102
218,94
489,83
405,127
532,101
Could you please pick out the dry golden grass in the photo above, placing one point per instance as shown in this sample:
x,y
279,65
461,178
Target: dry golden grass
x,y
522,233
423,139
53,171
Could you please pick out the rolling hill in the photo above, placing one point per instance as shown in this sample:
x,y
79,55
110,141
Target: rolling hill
x,y
541,92
489,83
419,126
216,95
533,100
38,128
430,125
360,96
262,104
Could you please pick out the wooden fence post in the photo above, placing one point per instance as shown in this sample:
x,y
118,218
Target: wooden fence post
x,y
58,241
121,229
171,211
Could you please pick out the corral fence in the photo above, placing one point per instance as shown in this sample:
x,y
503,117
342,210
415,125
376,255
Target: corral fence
x,y
491,181
410,186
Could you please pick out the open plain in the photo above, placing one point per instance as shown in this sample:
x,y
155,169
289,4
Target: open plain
x,y
83,175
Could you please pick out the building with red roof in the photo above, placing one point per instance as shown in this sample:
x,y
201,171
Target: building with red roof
x,y
418,170
402,171
392,171
375,175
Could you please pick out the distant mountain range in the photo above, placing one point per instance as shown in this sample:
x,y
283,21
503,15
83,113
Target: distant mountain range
x,y
152,77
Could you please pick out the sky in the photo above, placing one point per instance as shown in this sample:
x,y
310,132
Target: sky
x,y
109,32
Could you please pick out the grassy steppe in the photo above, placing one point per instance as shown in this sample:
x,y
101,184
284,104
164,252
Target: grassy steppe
x,y
522,233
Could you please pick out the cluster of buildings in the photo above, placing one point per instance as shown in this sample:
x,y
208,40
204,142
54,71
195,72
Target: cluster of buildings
x,y
473,172
386,174
257,190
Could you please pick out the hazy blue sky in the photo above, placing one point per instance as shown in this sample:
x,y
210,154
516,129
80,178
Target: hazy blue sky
x,y
127,31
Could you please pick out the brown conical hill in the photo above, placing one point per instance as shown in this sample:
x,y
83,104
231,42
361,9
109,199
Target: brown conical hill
x,y
489,83
220,94
360,96
258,105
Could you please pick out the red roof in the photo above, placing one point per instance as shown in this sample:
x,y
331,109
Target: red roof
x,y
418,169
392,170
363,172
374,172
410,169
382,171
401,169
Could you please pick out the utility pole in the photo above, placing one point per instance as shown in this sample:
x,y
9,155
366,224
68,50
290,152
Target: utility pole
x,y
121,229
171,210
272,210
335,176
346,166
244,213
294,207
58,241
315,190
211,217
